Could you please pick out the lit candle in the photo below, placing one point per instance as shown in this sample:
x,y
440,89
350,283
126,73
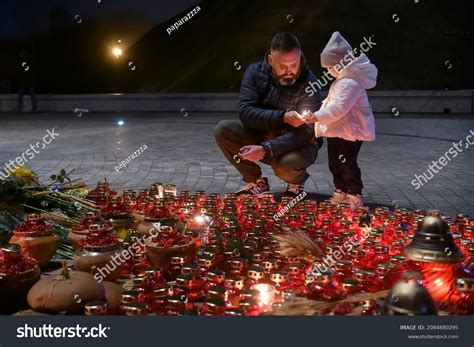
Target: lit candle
x,y
366,232
161,191
200,219
266,295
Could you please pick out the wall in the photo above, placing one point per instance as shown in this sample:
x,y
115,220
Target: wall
x,y
408,101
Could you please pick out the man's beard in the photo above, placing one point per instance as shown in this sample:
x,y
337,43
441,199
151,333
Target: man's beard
x,y
286,80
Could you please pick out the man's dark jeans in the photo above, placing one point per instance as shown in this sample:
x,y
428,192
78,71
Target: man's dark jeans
x,y
231,135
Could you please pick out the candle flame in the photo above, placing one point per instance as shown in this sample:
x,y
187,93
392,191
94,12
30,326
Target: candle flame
x,y
200,219
366,231
266,293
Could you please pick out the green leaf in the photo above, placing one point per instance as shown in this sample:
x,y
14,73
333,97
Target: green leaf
x,y
60,179
63,172
53,177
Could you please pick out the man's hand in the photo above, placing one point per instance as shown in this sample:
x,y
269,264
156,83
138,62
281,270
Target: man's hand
x,y
293,118
252,153
310,118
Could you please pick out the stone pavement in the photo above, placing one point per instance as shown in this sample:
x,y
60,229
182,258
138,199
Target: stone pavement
x,y
181,150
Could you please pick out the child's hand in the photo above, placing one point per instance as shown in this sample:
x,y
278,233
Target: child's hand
x,y
310,118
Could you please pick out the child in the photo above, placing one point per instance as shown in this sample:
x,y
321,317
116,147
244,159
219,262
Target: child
x,y
345,116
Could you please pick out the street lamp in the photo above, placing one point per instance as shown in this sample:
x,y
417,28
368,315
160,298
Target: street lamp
x,y
117,51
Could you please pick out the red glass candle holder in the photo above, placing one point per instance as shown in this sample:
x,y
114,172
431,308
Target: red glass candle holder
x,y
213,307
461,300
324,288
214,277
234,287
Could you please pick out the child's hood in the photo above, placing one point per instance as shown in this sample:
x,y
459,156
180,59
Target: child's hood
x,y
362,70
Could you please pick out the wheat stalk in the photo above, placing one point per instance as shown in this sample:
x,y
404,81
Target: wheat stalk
x,y
297,244
306,307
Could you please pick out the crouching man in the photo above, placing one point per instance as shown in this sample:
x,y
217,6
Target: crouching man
x,y
272,129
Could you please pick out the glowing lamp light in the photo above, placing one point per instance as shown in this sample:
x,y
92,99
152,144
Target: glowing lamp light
x,y
266,295
200,219
200,222
434,249
117,51
434,254
120,122
439,279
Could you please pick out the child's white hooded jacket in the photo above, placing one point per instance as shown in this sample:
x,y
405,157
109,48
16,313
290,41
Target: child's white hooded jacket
x,y
346,112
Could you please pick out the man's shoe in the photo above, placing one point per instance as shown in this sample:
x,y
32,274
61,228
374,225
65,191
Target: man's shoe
x,y
294,189
354,201
258,188
337,197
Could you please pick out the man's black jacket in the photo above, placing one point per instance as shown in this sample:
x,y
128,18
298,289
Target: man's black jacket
x,y
263,102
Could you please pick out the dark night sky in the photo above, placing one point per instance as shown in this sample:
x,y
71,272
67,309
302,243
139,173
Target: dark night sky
x,y
76,57
23,18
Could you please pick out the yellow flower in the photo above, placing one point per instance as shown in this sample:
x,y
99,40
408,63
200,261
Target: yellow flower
x,y
79,191
23,174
